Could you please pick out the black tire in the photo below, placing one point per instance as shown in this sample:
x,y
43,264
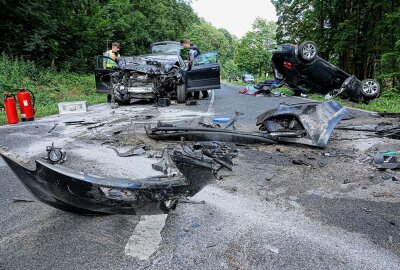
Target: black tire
x,y
124,103
308,51
181,93
109,97
370,88
297,92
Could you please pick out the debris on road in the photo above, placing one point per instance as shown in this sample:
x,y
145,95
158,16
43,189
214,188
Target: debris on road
x,y
233,120
191,102
387,160
300,162
310,123
82,193
212,155
209,125
75,107
55,155
208,134
136,151
53,128
22,200
382,130
164,102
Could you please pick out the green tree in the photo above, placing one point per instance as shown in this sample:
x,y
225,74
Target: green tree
x,y
68,34
253,50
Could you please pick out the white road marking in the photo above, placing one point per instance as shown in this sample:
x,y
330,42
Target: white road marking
x,y
146,237
210,109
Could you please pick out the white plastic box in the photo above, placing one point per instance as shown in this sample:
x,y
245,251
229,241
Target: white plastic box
x,y
72,107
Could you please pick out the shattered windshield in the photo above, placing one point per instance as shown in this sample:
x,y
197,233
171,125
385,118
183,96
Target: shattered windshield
x,y
166,48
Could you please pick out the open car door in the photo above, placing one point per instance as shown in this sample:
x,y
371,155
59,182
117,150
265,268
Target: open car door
x,y
205,73
103,74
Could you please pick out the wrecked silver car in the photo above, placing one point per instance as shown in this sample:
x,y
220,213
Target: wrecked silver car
x,y
154,76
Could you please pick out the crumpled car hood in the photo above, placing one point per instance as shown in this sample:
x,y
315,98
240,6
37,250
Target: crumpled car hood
x,y
157,64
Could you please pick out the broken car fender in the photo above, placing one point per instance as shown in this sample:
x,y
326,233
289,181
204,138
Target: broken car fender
x,y
310,123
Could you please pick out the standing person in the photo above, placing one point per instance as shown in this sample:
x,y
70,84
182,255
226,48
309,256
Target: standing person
x,y
185,49
113,54
185,55
193,53
189,53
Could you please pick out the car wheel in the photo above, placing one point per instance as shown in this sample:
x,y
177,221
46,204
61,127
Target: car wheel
x,y
124,102
181,93
297,92
308,51
370,88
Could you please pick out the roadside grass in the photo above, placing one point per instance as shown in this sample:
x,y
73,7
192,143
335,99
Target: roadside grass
x,y
49,86
388,102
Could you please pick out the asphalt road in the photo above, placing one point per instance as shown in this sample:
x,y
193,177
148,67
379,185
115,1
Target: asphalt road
x,y
268,214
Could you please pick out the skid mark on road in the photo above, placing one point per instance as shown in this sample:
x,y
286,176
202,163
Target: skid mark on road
x,y
146,238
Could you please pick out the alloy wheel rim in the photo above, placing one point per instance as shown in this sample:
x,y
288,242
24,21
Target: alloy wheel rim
x,y
370,87
309,51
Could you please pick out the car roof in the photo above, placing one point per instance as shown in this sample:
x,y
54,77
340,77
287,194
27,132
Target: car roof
x,y
165,42
192,46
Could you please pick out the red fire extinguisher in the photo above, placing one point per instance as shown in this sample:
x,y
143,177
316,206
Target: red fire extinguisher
x,y
10,105
26,104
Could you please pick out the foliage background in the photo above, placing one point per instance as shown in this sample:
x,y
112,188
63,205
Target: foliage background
x,y
50,45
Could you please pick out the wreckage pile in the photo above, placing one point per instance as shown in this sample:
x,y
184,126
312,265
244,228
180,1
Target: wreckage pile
x,y
185,169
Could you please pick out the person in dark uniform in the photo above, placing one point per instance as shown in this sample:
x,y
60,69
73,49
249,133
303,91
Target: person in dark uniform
x,y
189,52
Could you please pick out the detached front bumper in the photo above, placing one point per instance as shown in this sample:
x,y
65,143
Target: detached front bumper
x,y
80,193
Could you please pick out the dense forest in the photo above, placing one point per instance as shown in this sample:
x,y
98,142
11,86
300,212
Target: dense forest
x,y
360,36
66,35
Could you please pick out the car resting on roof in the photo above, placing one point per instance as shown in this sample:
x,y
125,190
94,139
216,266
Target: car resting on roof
x,y
301,69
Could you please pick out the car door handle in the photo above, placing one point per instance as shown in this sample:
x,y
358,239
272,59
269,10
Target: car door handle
x,y
215,69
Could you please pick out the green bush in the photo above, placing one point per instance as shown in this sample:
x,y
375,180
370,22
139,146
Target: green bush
x,y
49,87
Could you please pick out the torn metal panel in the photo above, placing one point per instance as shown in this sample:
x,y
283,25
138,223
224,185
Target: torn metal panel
x,y
309,123
388,131
135,151
207,134
81,193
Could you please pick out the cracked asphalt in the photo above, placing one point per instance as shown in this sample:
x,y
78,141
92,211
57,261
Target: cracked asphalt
x,y
337,213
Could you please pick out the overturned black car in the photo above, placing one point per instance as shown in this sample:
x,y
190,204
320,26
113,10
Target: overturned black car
x,y
301,69
158,75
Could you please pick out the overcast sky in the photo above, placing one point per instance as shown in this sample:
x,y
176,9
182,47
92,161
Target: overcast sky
x,y
235,16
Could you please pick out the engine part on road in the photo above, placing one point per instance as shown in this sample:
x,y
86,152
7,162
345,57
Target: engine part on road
x,y
310,123
208,134
387,160
211,155
55,155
